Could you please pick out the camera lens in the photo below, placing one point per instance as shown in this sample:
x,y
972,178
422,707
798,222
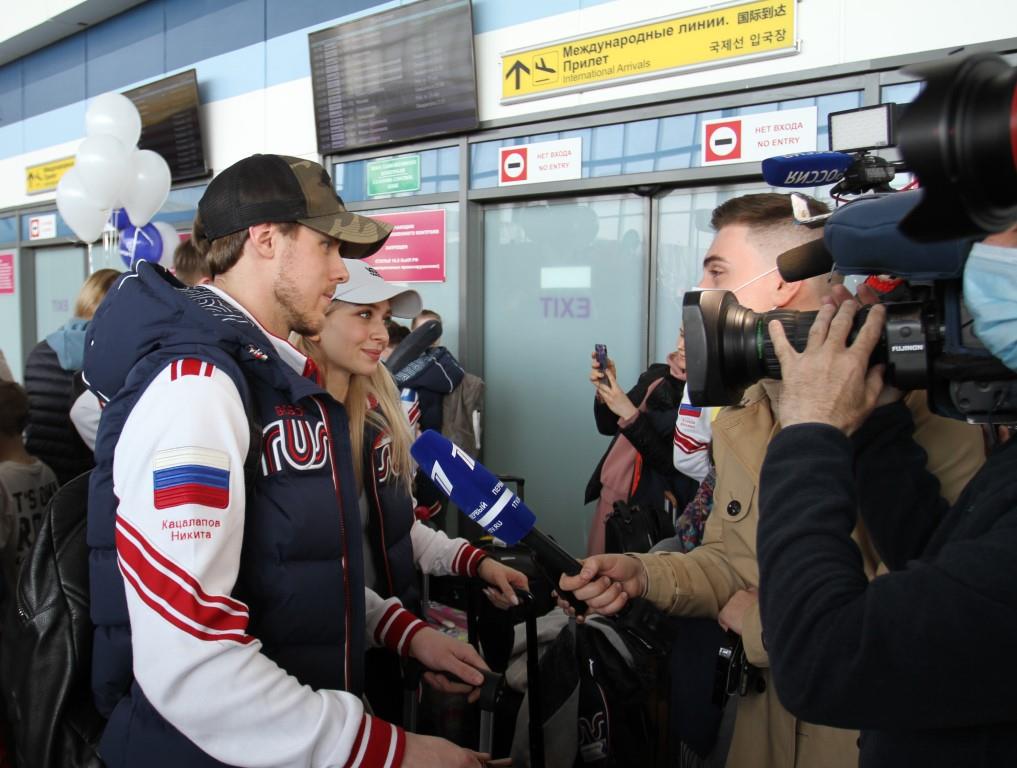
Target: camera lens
x,y
959,138
728,346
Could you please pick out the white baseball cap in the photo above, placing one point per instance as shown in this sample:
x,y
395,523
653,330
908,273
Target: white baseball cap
x,y
366,286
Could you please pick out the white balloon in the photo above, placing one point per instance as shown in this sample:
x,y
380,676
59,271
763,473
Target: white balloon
x,y
113,114
78,208
102,163
148,184
170,239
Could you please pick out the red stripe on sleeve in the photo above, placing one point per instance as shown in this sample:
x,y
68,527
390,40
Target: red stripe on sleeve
x,y
155,555
396,628
214,616
378,743
173,619
467,560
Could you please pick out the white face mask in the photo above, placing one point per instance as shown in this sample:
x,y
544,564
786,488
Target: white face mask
x,y
990,292
760,276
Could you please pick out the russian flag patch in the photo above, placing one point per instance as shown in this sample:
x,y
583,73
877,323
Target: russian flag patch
x,y
191,476
689,410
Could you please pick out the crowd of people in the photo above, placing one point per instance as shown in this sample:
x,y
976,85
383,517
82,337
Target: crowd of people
x,y
250,464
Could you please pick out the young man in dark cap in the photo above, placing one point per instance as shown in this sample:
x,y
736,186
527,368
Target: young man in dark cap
x,y
226,566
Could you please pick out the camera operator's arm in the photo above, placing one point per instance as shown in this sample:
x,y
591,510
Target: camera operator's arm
x,y
903,651
898,497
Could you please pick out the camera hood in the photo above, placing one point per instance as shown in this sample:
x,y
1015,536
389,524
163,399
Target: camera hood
x,y
864,237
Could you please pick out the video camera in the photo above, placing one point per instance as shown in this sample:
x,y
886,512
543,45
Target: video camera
x,y
959,137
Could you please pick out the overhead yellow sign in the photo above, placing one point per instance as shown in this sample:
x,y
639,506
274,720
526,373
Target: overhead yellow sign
x,y
44,177
719,36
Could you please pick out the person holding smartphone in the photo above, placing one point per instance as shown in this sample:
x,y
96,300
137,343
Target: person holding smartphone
x,y
638,466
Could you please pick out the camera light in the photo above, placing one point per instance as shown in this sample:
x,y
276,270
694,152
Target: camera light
x,y
854,130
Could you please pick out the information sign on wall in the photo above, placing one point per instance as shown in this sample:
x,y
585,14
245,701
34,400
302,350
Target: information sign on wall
x,y
42,227
709,38
6,272
544,161
393,174
755,137
44,177
415,251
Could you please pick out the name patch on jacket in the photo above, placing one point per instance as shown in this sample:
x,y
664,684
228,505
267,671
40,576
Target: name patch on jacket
x,y
191,475
298,443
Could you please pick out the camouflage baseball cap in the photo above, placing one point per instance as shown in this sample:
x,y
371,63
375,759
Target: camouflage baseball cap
x,y
277,188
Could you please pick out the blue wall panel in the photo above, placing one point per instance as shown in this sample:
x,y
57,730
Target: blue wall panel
x,y
131,45
202,29
54,76
10,93
241,45
284,16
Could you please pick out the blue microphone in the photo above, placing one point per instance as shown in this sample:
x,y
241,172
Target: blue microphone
x,y
806,169
484,499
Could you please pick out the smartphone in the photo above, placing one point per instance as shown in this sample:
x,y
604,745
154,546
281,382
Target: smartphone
x,y
600,350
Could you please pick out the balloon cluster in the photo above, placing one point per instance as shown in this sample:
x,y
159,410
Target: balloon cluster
x,y
111,173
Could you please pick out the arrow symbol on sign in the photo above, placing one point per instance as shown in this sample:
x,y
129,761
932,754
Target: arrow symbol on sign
x,y
517,69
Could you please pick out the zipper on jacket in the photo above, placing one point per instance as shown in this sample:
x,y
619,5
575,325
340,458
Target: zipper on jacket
x,y
342,532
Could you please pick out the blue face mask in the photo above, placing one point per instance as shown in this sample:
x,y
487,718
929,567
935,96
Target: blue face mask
x,y
990,293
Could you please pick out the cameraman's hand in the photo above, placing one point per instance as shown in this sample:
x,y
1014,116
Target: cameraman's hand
x,y
866,296
830,382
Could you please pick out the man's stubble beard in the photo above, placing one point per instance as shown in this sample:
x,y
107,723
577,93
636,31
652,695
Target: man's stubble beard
x,y
288,296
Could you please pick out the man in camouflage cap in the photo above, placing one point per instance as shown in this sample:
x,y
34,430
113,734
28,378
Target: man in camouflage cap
x,y
227,573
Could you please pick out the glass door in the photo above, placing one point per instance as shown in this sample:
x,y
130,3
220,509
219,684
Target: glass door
x,y
559,277
59,273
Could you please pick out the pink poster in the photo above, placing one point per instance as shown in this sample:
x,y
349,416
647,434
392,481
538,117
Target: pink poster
x,y
415,251
7,272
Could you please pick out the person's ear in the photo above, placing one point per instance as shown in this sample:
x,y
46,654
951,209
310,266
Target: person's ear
x,y
786,292
262,237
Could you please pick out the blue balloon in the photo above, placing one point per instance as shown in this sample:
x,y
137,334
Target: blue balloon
x,y
140,244
120,219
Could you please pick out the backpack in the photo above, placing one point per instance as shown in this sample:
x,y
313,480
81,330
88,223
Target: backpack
x,y
597,681
46,643
634,528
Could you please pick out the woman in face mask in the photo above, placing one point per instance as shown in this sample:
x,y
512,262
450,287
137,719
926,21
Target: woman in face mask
x,y
397,546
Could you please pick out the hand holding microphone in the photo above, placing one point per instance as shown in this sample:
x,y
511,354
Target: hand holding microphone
x,y
606,583
484,499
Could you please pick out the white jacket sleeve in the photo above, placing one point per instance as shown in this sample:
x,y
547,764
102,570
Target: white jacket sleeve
x,y
178,475
390,625
85,415
692,434
437,555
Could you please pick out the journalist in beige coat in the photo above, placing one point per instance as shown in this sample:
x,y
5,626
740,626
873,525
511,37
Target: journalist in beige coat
x,y
719,578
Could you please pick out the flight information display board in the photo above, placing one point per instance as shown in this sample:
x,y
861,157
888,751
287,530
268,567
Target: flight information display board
x,y
394,76
170,123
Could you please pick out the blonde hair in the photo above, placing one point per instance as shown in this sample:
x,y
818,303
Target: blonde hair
x,y
387,416
93,291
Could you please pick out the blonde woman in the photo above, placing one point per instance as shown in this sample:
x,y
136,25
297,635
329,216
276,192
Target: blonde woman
x,y
396,545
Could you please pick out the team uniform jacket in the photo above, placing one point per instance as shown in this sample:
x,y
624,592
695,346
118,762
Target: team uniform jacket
x,y
700,582
240,571
692,435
